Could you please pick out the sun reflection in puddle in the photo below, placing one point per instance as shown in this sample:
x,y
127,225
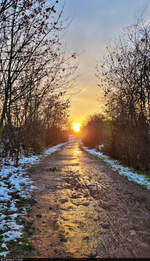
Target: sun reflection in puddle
x,y
75,215
76,221
77,152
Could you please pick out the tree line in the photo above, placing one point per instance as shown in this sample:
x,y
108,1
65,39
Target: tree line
x,y
34,73
124,75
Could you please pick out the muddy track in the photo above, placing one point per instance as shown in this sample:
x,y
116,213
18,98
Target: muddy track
x,y
84,209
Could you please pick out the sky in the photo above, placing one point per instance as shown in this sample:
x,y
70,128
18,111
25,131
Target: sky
x,y
94,24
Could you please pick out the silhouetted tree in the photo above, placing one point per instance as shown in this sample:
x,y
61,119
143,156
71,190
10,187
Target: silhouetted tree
x,y
29,45
34,70
125,77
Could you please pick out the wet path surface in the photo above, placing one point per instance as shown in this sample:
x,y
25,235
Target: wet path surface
x,y
84,209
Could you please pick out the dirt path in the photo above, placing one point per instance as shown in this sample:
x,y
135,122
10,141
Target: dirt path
x,y
84,209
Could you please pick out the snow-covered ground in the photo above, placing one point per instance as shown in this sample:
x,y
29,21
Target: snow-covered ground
x,y
125,171
15,185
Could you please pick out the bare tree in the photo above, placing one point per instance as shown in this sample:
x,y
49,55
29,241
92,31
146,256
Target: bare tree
x,y
5,5
126,74
125,77
29,50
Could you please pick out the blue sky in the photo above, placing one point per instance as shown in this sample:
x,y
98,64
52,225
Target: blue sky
x,y
94,24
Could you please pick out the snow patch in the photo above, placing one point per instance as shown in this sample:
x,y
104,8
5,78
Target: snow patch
x,y
3,254
53,149
100,147
11,235
125,171
28,160
14,182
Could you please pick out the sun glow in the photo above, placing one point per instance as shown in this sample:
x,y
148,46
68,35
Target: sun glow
x,y
76,127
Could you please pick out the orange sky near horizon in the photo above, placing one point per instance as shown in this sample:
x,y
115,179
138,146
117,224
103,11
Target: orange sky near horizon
x,y
88,101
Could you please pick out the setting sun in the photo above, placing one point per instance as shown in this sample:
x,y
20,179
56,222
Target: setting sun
x,y
76,127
